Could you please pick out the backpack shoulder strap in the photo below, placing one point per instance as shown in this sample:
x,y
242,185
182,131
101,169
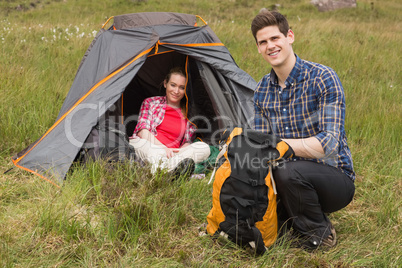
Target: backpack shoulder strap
x,y
228,137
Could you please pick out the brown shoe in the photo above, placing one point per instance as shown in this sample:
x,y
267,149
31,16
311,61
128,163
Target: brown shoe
x,y
330,241
184,168
313,242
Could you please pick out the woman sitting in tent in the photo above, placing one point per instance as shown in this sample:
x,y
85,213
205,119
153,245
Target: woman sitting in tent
x,y
163,133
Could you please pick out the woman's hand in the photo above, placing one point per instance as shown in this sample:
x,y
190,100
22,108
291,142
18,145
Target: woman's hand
x,y
171,151
185,145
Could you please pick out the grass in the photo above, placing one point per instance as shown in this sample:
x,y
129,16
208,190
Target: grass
x,y
127,217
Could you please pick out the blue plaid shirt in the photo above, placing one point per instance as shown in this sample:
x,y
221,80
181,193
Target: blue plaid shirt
x,y
311,105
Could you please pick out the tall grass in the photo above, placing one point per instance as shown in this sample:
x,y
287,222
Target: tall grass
x,y
122,216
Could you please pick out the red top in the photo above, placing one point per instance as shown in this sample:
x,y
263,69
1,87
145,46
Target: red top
x,y
171,130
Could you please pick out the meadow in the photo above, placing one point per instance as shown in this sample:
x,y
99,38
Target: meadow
x,y
130,218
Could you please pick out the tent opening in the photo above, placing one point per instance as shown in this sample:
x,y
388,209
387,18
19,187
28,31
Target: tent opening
x,y
148,82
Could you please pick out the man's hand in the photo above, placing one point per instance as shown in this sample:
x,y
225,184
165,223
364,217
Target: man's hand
x,y
285,150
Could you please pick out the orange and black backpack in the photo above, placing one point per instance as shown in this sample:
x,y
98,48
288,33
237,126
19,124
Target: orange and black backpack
x,y
244,194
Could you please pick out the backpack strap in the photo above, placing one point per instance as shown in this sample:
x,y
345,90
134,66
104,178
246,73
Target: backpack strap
x,y
235,132
272,179
221,153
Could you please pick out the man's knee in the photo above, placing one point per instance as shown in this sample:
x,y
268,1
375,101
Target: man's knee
x,y
283,174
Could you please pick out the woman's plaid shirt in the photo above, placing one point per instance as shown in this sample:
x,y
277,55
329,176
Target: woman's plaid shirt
x,y
151,115
312,104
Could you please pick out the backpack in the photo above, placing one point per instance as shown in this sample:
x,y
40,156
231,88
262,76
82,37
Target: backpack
x,y
108,141
244,194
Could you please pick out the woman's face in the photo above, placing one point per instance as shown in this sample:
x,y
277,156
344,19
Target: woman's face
x,y
175,89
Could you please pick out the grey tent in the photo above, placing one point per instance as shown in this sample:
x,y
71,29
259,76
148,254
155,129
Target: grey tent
x,y
126,64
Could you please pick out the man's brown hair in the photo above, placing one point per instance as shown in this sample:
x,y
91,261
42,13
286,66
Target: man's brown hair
x,y
269,18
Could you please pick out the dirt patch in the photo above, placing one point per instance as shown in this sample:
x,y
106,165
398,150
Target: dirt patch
x,y
328,5
10,6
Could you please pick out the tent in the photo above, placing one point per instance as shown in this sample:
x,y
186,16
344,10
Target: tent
x,y
125,64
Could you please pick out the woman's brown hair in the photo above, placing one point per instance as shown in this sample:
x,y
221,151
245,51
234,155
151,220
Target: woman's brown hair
x,y
179,71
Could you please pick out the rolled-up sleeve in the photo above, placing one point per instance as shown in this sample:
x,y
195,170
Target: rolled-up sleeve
x,y
145,117
189,133
332,112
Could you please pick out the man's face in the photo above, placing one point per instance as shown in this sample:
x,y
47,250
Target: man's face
x,y
275,47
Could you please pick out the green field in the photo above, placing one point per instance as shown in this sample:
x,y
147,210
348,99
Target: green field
x,y
129,218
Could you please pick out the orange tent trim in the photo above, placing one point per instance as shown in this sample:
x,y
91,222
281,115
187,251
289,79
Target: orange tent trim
x,y
83,98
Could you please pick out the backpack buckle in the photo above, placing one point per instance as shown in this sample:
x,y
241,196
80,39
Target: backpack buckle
x,y
253,182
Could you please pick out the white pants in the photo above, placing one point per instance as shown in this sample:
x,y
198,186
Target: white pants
x,y
156,154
